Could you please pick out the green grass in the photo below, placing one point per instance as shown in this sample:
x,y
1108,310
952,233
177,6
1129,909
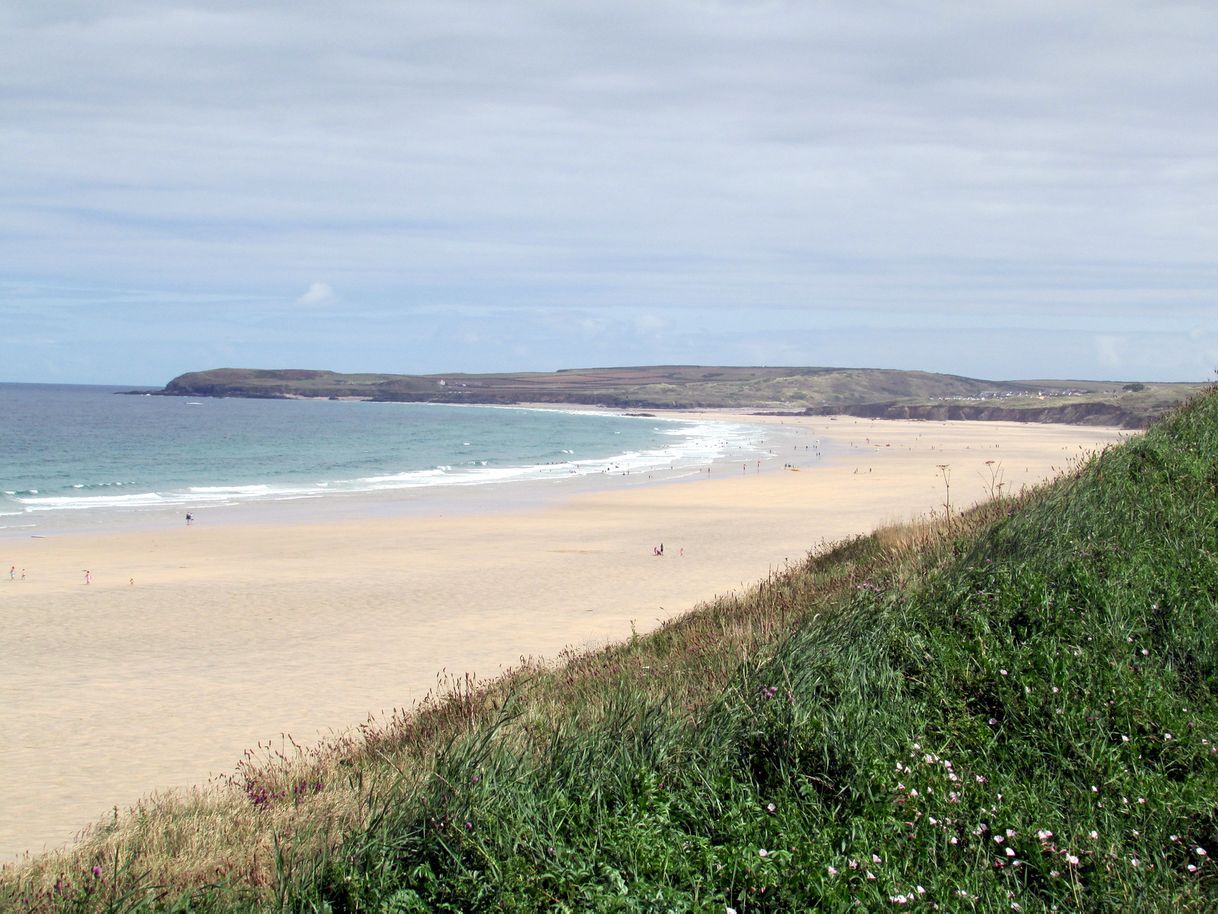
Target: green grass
x,y
1014,710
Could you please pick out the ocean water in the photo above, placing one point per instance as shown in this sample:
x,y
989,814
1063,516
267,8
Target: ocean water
x,y
73,455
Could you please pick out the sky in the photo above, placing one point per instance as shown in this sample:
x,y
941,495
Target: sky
x,y
1001,190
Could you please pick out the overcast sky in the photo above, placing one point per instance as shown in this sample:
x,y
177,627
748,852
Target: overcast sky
x,y
999,189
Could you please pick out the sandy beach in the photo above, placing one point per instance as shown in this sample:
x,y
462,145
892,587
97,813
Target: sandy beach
x,y
191,644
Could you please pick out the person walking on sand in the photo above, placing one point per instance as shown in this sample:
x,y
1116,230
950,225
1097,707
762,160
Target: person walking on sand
x,y
12,573
88,576
189,519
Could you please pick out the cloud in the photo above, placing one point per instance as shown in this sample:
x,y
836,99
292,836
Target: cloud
x,y
318,294
941,162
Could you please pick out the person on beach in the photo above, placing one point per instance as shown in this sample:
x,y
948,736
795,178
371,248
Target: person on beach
x,y
12,573
189,519
88,576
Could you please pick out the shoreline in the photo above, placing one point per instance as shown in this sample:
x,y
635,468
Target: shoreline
x,y
236,633
464,490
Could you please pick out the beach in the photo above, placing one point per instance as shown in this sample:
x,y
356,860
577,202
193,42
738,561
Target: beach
x,y
190,644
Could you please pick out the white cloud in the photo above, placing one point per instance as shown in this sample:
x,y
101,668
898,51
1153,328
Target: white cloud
x,y
318,294
936,162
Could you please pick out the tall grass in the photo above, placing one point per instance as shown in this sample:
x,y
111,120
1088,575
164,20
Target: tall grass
x,y
1013,709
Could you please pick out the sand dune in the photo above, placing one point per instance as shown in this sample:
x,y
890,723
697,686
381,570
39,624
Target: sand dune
x,y
234,633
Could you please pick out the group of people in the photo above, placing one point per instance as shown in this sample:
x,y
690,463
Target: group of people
x,y
659,550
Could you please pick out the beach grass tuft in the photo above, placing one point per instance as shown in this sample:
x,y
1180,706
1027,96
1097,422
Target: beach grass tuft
x,y
1012,708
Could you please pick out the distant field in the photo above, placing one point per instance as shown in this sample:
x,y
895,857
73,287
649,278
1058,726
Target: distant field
x,y
879,393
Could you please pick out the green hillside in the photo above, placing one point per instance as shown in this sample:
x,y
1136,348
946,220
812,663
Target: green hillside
x,y
858,391
1011,710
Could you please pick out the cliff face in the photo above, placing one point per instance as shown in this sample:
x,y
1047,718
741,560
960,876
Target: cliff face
x,y
1066,413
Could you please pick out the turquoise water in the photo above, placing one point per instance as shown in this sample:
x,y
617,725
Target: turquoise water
x,y
90,452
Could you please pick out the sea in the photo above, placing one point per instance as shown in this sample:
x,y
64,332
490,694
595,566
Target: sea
x,y
74,456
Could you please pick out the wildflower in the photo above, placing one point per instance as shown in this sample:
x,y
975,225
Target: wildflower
x,y
730,911
1168,737
921,891
1015,906
953,840
1200,852
898,899
1124,738
1044,834
998,839
870,876
1010,833
1093,835
1192,868
1071,859
853,864
1003,672
832,870
1055,873
97,871
1056,690
770,807
1010,852
875,858
992,721
762,852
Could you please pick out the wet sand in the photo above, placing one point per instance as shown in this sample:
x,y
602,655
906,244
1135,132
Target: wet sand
x,y
191,644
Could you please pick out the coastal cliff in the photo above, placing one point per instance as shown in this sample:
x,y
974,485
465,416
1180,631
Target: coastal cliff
x,y
862,392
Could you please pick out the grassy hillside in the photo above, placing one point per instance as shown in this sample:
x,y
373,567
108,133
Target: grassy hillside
x,y
1016,709
656,386
874,391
